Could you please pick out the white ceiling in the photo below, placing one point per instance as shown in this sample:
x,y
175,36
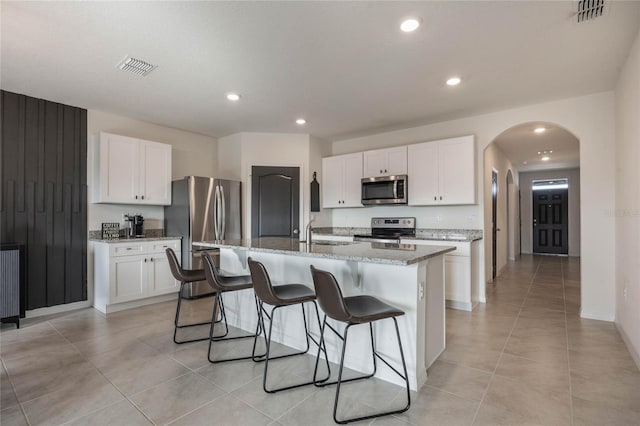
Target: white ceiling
x,y
521,145
344,66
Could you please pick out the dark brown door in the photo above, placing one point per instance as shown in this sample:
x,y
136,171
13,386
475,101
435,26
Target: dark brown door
x,y
550,221
275,201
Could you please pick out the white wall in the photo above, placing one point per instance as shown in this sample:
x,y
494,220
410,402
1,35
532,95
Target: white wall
x,y
627,207
526,206
244,150
591,119
496,160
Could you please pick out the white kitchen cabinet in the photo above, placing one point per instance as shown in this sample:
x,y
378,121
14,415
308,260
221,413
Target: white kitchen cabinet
x,y
128,272
385,162
131,171
461,273
442,172
341,181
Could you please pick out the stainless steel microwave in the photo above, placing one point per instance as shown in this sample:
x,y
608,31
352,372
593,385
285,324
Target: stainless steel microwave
x,y
384,190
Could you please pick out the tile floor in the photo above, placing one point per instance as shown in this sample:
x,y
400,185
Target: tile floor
x,y
524,358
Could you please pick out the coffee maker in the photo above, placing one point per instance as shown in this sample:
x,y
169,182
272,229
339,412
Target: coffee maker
x,y
135,228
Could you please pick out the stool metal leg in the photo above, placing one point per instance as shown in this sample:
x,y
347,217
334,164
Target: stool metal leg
x,y
177,318
212,338
307,336
375,355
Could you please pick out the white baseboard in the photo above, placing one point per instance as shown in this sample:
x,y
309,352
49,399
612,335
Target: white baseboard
x,y
461,306
58,309
599,317
137,303
634,353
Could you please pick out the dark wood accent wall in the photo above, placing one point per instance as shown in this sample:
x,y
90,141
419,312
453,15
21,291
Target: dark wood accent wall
x,y
44,195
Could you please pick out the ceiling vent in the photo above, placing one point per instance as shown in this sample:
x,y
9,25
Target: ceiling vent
x,y
589,10
136,66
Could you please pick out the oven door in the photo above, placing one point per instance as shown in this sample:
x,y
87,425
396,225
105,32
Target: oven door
x,y
384,190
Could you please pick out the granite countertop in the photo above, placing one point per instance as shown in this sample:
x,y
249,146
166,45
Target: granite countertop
x,y
459,235
133,240
392,254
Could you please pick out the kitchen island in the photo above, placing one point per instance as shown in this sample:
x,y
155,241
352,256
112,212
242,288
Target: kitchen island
x,y
410,277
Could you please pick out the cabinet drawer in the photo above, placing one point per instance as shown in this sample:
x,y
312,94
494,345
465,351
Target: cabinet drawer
x,y
127,249
162,246
462,248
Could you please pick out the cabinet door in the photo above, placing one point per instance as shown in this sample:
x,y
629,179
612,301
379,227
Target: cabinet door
x,y
128,278
352,182
458,279
396,161
375,163
422,173
155,173
161,280
332,178
457,171
118,169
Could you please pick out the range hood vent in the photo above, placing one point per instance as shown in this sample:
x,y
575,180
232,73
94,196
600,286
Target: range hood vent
x,y
589,10
136,66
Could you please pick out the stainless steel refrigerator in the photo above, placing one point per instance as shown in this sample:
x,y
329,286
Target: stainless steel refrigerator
x,y
203,209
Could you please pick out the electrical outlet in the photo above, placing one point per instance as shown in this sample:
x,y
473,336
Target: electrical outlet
x,y
421,291
439,218
624,293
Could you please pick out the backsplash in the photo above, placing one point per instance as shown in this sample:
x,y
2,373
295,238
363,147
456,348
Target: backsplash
x,y
149,233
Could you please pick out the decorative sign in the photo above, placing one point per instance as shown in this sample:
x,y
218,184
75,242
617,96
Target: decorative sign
x,y
111,231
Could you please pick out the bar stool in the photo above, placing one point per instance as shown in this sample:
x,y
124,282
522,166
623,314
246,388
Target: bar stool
x,y
353,311
279,297
223,284
185,276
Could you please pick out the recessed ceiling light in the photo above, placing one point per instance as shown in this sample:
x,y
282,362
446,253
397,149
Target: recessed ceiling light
x,y
301,121
540,130
454,81
233,96
545,158
411,24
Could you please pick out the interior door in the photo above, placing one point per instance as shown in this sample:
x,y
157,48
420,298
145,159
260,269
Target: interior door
x,y
550,221
275,201
494,224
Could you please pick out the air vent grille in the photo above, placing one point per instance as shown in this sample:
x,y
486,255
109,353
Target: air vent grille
x,y
136,66
589,9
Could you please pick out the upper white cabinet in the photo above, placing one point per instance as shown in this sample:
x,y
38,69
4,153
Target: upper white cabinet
x,y
442,172
385,162
341,181
131,171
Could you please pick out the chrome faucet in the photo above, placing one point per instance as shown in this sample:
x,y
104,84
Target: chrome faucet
x,y
308,232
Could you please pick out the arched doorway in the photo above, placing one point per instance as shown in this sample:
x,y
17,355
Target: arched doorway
x,y
520,155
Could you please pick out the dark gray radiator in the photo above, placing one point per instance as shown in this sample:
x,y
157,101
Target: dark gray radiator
x,y
10,283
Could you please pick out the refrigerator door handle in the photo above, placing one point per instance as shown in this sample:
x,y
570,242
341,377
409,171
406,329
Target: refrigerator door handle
x,y
223,223
216,211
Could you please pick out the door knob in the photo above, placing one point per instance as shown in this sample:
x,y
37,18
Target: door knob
x,y
295,231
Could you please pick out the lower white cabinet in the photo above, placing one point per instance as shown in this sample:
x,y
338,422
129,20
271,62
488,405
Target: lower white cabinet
x,y
461,272
129,271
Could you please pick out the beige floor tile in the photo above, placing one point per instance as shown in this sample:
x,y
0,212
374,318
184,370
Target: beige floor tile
x,y
120,413
464,382
26,333
470,355
122,356
588,413
226,410
435,407
37,345
232,375
535,374
7,395
12,416
175,398
191,355
137,376
616,389
88,393
274,404
517,403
